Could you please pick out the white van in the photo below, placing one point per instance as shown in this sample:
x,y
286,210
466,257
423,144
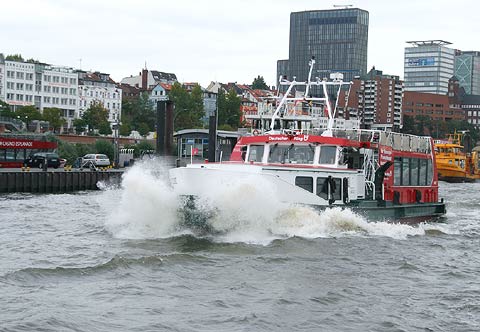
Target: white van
x,y
96,159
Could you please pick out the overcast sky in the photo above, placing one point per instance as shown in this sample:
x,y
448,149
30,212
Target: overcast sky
x,y
203,41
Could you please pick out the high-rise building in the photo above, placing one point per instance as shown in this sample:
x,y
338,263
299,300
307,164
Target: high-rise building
x,y
467,71
337,38
375,100
429,64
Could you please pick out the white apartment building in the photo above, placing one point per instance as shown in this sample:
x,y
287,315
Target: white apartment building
x,y
99,87
44,85
59,88
2,76
19,83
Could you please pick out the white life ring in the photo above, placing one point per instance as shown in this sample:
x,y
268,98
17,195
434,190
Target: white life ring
x,y
256,132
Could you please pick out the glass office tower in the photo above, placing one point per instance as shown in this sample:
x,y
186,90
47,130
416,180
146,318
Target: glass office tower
x,y
467,71
429,64
337,38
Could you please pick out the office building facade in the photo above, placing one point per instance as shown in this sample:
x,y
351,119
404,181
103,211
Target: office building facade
x,y
337,38
467,71
428,65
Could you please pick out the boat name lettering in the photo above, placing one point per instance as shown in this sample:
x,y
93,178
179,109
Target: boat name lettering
x,y
15,144
277,138
302,138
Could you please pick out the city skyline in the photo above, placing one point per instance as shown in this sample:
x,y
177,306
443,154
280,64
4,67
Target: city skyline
x,y
210,41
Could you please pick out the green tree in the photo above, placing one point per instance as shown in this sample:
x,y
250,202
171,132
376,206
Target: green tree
x,y
80,125
14,57
5,110
54,117
28,114
408,125
143,128
229,109
95,116
259,83
125,129
104,128
104,147
189,109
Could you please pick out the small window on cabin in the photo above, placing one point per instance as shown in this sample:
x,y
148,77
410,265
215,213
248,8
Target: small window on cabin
x,y
414,171
429,172
423,173
327,154
397,171
256,153
406,172
335,188
305,182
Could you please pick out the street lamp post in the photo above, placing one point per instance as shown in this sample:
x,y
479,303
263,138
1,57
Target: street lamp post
x,y
116,156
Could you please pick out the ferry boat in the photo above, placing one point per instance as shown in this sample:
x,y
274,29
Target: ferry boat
x,y
453,163
381,175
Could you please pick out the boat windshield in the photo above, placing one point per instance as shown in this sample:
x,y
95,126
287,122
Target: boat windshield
x,y
327,154
256,153
291,154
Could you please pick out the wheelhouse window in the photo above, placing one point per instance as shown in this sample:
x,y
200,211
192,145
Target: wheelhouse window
x,y
291,154
412,172
256,153
327,154
305,182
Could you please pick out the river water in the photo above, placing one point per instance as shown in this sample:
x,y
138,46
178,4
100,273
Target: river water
x,y
121,259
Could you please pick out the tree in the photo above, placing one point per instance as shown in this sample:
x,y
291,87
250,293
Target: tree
x,y
259,83
125,129
104,128
143,128
189,109
229,109
14,57
27,114
80,125
54,117
95,116
408,125
104,147
5,110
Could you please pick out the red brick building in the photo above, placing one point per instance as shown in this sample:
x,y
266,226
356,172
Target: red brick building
x,y
437,107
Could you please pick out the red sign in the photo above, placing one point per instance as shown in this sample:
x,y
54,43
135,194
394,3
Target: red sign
x,y
12,143
195,151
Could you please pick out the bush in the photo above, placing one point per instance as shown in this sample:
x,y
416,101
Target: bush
x,y
105,147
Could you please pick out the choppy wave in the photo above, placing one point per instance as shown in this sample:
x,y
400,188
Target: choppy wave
x,y
114,264
244,212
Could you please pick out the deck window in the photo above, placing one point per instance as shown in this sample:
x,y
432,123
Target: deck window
x,y
256,153
414,171
305,182
397,169
429,172
322,188
423,172
327,154
406,172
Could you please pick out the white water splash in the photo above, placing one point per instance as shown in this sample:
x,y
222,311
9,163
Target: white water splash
x,y
147,207
246,210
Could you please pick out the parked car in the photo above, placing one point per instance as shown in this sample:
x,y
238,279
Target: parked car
x,y
38,160
95,159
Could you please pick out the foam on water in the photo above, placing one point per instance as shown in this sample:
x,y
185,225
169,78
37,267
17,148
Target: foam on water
x,y
244,210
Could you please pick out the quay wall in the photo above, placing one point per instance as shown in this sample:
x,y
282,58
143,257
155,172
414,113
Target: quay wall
x,y
55,181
